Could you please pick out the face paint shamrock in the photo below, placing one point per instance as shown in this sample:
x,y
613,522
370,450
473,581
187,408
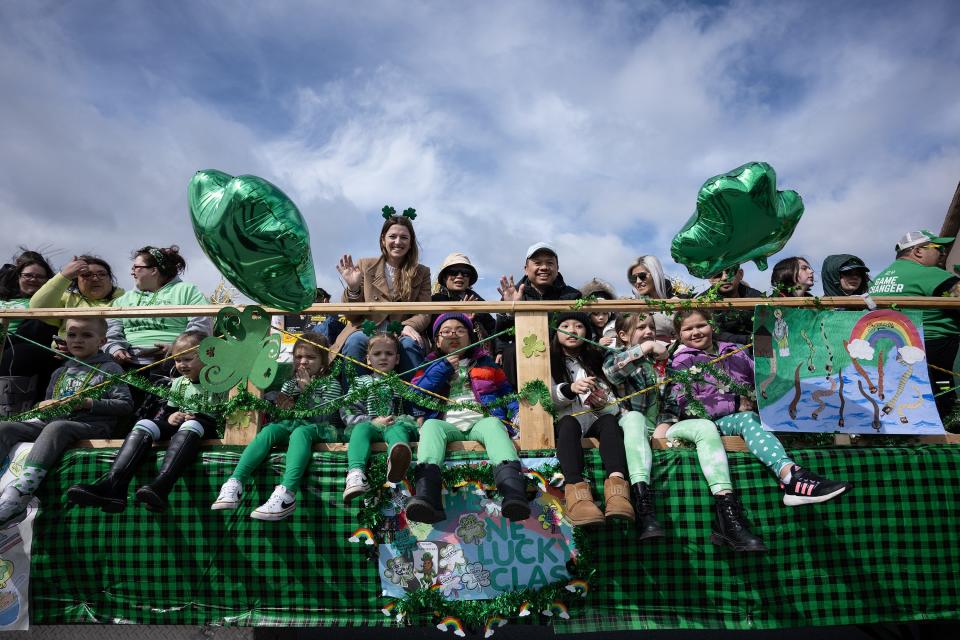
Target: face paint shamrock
x,y
471,529
740,216
246,352
532,345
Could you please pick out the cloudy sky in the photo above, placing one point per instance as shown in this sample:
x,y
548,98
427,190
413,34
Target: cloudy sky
x,y
590,125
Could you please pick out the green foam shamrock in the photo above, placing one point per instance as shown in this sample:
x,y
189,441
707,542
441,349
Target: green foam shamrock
x,y
369,327
532,345
395,327
246,352
740,216
388,212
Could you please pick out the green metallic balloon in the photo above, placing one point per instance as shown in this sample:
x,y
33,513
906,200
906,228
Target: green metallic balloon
x,y
740,216
255,236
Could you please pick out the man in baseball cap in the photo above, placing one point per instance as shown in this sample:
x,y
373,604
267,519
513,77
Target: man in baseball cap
x,y
915,273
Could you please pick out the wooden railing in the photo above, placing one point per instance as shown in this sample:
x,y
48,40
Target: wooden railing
x,y
531,318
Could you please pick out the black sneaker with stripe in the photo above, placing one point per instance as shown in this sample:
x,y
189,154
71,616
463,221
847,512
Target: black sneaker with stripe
x,y
806,487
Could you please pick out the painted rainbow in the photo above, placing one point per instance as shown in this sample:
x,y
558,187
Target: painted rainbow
x,y
889,324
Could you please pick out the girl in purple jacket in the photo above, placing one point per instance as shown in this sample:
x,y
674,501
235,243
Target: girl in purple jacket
x,y
734,415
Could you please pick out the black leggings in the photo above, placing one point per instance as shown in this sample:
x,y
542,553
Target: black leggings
x,y
570,450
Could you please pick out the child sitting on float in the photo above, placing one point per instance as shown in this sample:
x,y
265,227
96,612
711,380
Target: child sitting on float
x,y
380,415
470,376
734,414
176,420
637,373
310,379
579,387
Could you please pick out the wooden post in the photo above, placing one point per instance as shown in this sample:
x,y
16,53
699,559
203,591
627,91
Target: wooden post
x,y
536,425
242,426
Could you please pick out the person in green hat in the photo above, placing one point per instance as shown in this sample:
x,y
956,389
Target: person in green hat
x,y
915,273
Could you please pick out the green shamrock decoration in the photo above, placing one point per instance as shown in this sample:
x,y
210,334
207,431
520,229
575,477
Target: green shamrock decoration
x,y
580,303
533,345
246,352
740,216
410,213
388,212
395,327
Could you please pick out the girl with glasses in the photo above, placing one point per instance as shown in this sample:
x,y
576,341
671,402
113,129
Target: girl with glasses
x,y
465,376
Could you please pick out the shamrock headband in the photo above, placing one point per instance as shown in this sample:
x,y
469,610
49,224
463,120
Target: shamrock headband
x,y
160,257
389,212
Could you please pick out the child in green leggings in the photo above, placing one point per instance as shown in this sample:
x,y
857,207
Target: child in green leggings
x,y
310,362
734,415
377,417
634,374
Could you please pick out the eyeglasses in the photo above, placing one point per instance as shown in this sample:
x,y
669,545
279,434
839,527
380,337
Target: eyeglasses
x,y
35,277
95,275
453,273
638,277
446,333
141,266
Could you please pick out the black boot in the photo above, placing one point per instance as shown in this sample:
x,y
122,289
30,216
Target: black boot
x,y
643,506
181,451
513,488
730,526
427,505
110,491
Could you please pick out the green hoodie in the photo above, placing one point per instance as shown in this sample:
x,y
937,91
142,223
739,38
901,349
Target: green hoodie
x,y
124,333
830,274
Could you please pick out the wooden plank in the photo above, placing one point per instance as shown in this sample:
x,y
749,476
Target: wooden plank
x,y
242,426
536,425
844,302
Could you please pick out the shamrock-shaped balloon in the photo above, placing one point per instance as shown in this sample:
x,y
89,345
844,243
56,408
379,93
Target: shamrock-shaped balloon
x,y
255,236
740,216
246,352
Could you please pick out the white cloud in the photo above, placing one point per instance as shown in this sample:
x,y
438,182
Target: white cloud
x,y
860,349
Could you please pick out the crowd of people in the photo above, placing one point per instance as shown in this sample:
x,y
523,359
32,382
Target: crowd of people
x,y
466,360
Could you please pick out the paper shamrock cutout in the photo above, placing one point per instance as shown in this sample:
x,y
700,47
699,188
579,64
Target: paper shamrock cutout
x,y
533,345
740,216
246,352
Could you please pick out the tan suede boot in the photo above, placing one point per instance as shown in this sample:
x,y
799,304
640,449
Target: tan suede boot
x,y
579,506
616,494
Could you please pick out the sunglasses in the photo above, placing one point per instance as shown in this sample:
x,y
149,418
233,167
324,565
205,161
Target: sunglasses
x,y
453,273
638,277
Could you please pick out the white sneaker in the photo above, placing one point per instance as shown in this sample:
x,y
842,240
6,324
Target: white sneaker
x,y
13,507
280,504
230,494
356,485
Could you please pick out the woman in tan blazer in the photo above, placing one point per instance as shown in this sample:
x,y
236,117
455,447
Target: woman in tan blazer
x,y
395,276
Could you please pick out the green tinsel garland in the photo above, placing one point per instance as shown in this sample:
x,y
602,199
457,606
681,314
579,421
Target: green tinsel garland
x,y
687,378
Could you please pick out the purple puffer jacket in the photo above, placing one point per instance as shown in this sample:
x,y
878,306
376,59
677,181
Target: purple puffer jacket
x,y
738,366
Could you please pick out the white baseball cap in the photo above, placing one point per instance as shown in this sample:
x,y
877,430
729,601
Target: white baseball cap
x,y
540,246
915,238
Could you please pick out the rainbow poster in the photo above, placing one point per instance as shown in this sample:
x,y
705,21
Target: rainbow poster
x,y
830,371
477,554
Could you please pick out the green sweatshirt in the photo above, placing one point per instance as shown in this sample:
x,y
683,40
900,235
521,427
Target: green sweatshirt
x,y
54,294
909,278
14,303
145,332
